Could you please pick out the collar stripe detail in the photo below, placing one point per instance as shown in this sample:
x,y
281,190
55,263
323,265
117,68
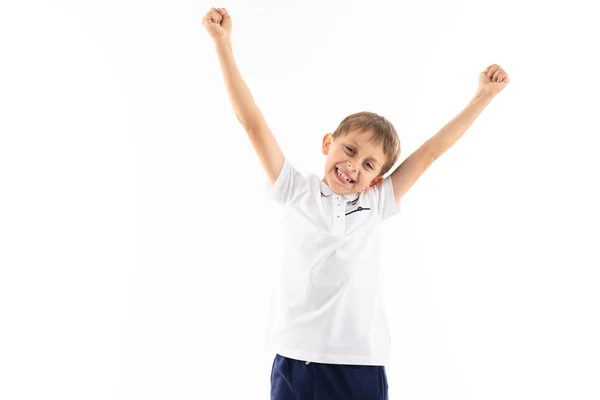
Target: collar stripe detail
x,y
358,209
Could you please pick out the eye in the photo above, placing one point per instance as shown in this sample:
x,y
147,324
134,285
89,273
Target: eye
x,y
349,149
369,165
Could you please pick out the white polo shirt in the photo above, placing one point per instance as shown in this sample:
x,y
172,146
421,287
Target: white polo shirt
x,y
327,305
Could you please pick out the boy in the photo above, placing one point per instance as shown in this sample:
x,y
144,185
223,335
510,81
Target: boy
x,y
328,324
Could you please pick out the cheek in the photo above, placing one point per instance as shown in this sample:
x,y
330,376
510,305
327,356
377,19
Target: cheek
x,y
335,157
369,176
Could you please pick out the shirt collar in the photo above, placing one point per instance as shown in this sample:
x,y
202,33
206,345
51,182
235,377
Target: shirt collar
x,y
326,191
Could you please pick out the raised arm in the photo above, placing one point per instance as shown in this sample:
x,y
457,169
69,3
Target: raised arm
x,y
491,82
218,24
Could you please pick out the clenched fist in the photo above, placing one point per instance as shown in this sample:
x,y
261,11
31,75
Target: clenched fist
x,y
218,23
493,79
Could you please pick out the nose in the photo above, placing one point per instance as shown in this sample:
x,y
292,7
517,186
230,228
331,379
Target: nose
x,y
350,167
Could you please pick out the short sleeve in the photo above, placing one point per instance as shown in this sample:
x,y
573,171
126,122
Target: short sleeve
x,y
289,186
383,196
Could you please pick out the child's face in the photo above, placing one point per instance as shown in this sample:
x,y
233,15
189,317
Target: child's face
x,y
357,157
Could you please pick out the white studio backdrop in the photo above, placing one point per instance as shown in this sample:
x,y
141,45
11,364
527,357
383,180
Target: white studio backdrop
x,y
137,245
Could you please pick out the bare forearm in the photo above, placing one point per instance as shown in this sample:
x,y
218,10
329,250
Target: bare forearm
x,y
241,99
455,129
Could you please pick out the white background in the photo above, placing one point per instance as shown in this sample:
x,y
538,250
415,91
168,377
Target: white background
x,y
137,245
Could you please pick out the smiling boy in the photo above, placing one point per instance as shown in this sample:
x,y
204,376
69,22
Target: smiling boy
x,y
328,326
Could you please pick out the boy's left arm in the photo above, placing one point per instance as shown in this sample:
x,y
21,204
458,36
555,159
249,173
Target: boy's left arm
x,y
491,82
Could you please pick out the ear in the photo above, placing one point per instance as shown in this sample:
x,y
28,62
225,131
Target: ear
x,y
376,181
327,139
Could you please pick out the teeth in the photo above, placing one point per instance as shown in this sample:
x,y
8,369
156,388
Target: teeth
x,y
340,173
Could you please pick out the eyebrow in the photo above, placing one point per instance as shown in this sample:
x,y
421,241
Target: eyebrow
x,y
370,158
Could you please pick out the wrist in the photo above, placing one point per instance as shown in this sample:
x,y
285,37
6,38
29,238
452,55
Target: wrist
x,y
484,94
223,41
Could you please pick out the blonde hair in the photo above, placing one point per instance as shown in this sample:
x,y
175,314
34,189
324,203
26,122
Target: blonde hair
x,y
384,133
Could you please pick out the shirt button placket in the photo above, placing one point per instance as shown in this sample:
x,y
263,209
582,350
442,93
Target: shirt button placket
x,y
338,221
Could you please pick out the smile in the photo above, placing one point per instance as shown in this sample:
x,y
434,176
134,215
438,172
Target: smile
x,y
342,178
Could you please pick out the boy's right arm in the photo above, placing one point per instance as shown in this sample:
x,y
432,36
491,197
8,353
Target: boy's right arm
x,y
246,110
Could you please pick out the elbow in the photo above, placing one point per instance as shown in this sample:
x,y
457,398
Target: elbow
x,y
252,124
433,149
433,152
245,124
249,124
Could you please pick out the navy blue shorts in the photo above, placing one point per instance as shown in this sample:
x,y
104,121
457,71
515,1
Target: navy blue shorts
x,y
299,380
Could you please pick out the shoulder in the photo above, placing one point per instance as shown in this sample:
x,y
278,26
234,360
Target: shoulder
x,y
290,184
381,196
